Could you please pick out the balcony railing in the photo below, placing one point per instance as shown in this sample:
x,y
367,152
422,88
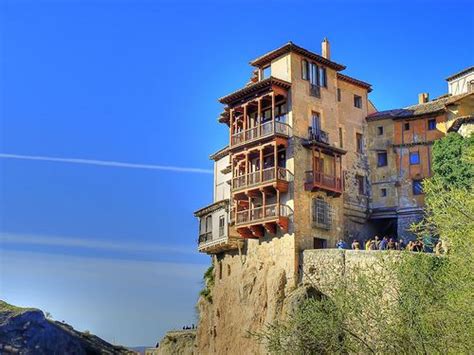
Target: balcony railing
x,y
205,237
262,214
255,178
318,135
262,130
319,180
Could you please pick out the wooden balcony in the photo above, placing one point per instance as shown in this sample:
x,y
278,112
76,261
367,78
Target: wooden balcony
x,y
251,223
275,177
317,180
260,132
212,244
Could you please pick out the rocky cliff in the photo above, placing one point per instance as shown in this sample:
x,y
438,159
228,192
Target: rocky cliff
x,y
176,342
28,331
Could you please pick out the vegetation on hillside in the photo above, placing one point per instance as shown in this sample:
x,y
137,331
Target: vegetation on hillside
x,y
420,303
208,280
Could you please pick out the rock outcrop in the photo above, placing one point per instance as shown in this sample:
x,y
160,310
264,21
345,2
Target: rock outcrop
x,y
180,342
27,331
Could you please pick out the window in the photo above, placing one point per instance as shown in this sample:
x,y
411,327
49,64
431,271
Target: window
x,y
406,126
304,70
380,130
313,74
319,243
414,158
417,187
208,224
432,124
322,77
321,213
357,101
359,143
341,145
315,122
221,226
383,192
266,72
361,184
220,270
382,159
228,270
338,94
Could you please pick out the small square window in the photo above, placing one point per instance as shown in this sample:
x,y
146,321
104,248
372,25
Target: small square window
x,y
417,187
383,192
338,94
414,158
432,124
406,126
357,101
382,159
380,130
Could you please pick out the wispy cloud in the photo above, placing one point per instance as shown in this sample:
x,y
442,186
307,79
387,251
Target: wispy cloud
x,y
87,243
107,163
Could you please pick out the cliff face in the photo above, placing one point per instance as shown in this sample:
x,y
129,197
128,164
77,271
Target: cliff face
x,y
249,292
27,331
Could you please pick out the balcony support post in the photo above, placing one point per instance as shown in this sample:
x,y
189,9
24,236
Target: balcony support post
x,y
277,212
244,115
313,158
261,163
273,111
275,159
246,161
340,172
334,170
264,204
231,125
259,116
321,168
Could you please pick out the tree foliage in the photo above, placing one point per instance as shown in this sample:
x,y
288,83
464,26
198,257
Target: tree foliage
x,y
407,303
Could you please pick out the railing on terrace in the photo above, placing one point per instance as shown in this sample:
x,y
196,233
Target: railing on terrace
x,y
205,237
322,180
318,135
262,130
262,214
267,175
208,239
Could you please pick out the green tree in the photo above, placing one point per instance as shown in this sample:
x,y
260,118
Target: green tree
x,y
408,303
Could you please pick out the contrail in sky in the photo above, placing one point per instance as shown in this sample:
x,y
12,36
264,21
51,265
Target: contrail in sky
x,y
114,164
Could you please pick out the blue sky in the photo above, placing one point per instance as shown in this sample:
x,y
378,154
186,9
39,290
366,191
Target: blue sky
x,y
112,248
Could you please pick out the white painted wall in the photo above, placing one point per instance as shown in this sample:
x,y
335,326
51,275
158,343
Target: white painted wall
x,y
461,85
221,187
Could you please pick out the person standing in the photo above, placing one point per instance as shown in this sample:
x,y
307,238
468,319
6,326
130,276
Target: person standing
x,y
383,244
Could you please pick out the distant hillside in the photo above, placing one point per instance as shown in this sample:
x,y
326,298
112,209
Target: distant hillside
x,y
27,331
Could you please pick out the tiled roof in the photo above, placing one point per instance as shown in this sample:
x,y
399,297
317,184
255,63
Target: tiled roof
x,y
253,88
355,81
291,47
461,73
427,108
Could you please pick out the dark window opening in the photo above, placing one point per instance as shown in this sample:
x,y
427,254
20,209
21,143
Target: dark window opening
x,y
382,159
304,69
359,142
319,243
361,184
406,126
357,101
383,192
380,130
341,145
339,95
321,213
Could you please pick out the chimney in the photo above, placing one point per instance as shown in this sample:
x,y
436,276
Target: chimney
x,y
325,49
423,98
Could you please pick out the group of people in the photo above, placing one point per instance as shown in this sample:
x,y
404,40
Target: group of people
x,y
187,327
387,243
